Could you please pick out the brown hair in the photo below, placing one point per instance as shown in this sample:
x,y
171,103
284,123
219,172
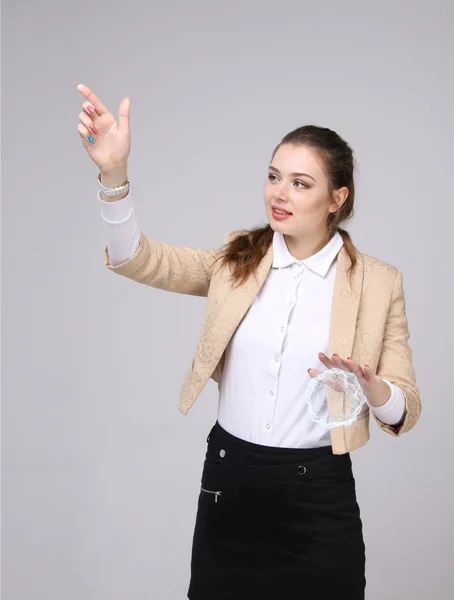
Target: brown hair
x,y
245,251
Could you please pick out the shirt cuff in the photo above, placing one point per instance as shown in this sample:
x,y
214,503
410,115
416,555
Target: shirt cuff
x,y
393,411
118,211
121,229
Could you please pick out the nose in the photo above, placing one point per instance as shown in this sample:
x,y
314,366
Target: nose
x,y
281,194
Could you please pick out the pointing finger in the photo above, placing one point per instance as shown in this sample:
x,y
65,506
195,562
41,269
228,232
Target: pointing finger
x,y
91,97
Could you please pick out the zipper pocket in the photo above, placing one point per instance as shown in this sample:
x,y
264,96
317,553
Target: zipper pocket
x,y
216,494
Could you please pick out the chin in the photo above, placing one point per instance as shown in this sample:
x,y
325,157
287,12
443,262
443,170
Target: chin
x,y
276,226
281,227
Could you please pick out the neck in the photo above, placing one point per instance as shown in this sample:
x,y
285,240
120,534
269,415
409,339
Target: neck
x,y
306,246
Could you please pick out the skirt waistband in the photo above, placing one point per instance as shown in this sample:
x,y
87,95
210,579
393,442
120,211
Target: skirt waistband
x,y
225,449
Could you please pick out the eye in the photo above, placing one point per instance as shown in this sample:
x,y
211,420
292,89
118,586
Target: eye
x,y
272,178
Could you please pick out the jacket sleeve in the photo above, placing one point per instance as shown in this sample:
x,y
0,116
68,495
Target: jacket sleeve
x,y
395,362
167,267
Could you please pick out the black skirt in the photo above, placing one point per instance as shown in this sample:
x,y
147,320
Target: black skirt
x,y
276,523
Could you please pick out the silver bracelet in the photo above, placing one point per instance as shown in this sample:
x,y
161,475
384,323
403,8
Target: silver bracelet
x,y
116,191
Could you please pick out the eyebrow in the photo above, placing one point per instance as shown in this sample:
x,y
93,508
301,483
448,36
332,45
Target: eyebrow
x,y
292,174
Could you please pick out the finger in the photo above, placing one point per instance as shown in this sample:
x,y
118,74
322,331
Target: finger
x,y
338,363
92,98
325,360
368,373
86,120
314,372
90,110
355,368
85,134
123,115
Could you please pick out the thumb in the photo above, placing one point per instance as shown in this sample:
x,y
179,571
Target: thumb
x,y
314,372
123,115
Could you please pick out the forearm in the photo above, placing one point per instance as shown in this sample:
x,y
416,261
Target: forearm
x,y
379,394
392,410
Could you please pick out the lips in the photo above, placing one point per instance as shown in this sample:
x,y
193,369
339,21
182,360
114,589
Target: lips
x,y
281,209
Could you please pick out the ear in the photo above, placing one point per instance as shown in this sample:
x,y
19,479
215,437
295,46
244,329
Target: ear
x,y
339,197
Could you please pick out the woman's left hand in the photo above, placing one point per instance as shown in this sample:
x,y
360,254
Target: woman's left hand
x,y
375,389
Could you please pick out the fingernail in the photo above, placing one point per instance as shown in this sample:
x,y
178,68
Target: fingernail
x,y
335,354
93,128
90,109
349,358
90,139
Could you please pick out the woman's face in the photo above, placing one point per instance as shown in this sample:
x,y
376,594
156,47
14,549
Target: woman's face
x,y
297,184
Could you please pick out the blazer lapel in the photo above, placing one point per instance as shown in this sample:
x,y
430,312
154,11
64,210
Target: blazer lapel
x,y
344,313
345,305
238,300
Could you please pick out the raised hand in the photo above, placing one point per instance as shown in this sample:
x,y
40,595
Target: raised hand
x,y
107,142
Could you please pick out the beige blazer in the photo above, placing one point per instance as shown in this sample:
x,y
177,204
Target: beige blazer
x,y
368,321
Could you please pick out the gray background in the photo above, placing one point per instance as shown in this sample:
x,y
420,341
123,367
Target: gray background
x,y
100,472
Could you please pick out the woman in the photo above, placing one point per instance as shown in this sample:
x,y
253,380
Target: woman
x,y
277,512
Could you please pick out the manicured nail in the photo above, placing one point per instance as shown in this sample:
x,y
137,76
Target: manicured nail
x,y
90,109
349,358
90,139
93,128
